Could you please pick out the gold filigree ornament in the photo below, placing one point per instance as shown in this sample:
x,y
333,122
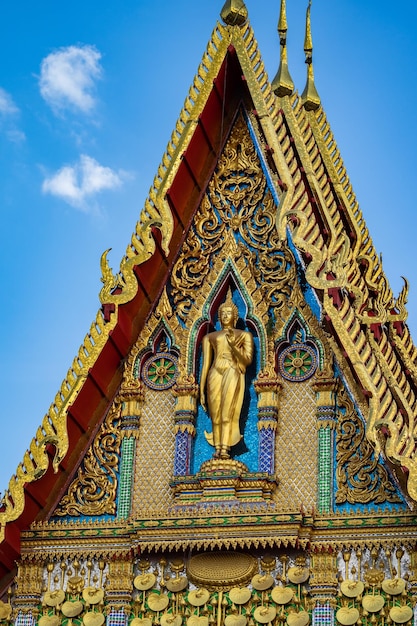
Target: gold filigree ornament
x,y
143,582
352,588
373,602
93,491
176,584
93,618
92,595
394,586
72,608
5,611
401,614
158,602
265,614
347,616
240,595
168,619
300,618
298,574
49,620
237,205
262,582
198,620
235,620
360,477
198,597
54,598
282,595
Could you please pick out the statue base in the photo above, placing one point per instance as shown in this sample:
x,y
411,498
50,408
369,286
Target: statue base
x,y
223,481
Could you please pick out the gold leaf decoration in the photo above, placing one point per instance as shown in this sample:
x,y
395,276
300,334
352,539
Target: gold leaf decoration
x,y
361,478
93,491
237,201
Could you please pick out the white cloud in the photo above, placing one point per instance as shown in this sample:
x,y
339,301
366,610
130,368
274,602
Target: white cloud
x,y
8,114
7,105
68,78
15,135
79,183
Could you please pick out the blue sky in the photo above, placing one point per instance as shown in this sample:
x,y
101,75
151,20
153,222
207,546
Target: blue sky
x,y
89,95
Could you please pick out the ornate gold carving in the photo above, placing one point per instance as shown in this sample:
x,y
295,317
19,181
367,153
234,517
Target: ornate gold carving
x,y
121,288
238,201
29,579
223,480
323,579
360,476
131,397
76,592
365,299
186,391
383,593
287,584
221,569
5,612
267,386
93,492
119,582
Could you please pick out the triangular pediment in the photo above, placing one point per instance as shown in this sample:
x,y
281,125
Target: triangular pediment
x,y
251,211
302,434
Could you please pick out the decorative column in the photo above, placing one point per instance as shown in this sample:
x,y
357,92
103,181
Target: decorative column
x,y
413,582
132,398
119,590
267,387
326,421
323,587
28,591
186,392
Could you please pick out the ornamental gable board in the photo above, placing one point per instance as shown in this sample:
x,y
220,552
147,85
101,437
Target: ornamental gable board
x,y
233,444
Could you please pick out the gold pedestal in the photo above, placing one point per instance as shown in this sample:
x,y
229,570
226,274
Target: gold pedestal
x,y
223,481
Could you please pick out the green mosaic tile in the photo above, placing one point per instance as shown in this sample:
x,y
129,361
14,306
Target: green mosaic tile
x,y
124,496
325,477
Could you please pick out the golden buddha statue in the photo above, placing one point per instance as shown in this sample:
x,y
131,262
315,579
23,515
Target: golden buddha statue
x,y
226,355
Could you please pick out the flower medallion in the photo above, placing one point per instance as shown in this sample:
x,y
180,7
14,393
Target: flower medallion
x,y
297,362
160,371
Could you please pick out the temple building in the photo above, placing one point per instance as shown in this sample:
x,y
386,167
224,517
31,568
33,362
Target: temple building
x,y
235,442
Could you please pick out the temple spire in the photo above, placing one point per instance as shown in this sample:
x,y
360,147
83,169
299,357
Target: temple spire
x,y
283,84
310,97
234,12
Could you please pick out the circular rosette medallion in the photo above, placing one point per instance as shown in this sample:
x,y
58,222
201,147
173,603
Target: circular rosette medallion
x,y
297,362
160,371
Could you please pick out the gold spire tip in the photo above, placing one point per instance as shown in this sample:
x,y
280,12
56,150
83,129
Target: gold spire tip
x,y
310,96
234,13
308,41
283,84
282,22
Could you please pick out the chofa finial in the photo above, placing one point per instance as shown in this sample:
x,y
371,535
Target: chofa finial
x,y
283,84
234,13
310,96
